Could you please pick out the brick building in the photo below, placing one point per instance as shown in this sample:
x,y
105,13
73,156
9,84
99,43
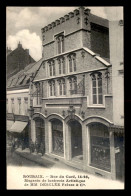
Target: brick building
x,y
72,111
17,60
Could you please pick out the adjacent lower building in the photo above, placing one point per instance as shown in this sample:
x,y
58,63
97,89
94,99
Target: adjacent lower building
x,y
18,104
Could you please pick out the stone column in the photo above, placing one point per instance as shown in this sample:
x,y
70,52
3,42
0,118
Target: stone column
x,y
84,146
68,151
49,136
33,131
46,137
88,146
64,139
112,156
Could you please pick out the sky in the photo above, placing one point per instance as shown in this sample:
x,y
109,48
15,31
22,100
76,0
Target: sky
x,y
24,24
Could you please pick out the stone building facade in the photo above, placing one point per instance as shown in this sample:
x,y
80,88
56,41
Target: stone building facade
x,y
72,111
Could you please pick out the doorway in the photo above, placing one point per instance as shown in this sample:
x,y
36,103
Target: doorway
x,y
76,139
40,133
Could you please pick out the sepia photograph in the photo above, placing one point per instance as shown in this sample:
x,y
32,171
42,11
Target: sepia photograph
x,y
65,98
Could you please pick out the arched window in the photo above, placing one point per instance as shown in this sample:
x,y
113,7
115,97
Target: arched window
x,y
100,146
60,44
61,63
97,96
73,85
62,86
72,62
57,137
52,68
52,88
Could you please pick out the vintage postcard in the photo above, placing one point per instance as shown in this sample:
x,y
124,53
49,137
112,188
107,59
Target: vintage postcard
x,y
65,98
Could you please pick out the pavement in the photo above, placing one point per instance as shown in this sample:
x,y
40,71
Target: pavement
x,y
34,157
49,167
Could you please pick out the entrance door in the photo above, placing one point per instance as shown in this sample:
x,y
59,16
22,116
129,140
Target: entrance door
x,y
40,132
57,137
76,138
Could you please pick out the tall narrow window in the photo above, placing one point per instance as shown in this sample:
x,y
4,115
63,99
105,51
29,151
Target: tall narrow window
x,y
19,105
100,96
50,68
72,62
73,85
62,86
60,44
59,62
63,62
54,92
94,86
97,88
12,106
52,88
26,105
53,65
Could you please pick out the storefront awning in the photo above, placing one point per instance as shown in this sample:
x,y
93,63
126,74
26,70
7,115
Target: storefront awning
x,y
9,124
18,126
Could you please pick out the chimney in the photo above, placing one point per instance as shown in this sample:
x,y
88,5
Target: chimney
x,y
27,51
19,45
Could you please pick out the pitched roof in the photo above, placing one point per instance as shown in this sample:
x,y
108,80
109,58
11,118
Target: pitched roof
x,y
23,76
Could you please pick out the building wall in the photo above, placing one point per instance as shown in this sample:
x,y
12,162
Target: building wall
x,y
22,94
116,58
84,62
77,31
100,40
18,59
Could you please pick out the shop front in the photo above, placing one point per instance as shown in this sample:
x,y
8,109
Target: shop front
x,y
57,137
100,147
19,132
40,134
76,139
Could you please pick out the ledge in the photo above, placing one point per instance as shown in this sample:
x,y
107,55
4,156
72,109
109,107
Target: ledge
x,y
97,107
